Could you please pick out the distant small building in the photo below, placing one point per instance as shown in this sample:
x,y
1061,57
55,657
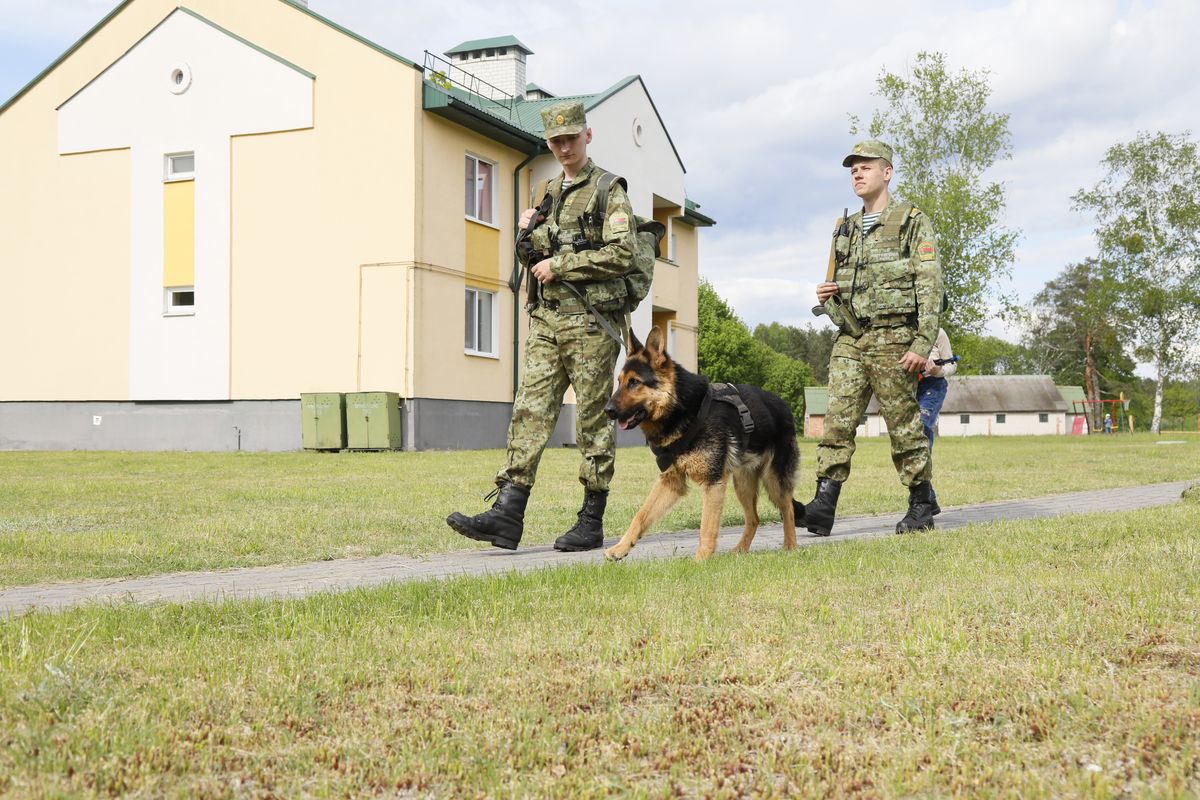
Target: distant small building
x,y
1003,405
976,405
816,403
1074,397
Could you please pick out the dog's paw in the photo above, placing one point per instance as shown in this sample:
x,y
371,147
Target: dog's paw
x,y
615,553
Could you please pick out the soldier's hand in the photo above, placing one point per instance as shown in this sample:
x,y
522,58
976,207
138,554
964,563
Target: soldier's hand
x,y
826,291
912,362
526,218
541,271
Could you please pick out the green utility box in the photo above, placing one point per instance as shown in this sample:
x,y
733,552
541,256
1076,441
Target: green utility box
x,y
373,421
323,420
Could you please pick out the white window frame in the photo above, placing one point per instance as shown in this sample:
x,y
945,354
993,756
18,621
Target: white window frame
x,y
474,215
170,175
479,295
170,310
1043,417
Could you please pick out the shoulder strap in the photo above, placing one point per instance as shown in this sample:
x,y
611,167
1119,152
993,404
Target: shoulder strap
x,y
896,221
603,184
728,393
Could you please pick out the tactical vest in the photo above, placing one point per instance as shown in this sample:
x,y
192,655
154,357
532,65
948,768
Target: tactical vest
x,y
571,222
875,274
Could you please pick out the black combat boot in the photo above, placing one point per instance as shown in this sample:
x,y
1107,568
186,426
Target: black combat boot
x,y
588,531
818,515
502,524
920,510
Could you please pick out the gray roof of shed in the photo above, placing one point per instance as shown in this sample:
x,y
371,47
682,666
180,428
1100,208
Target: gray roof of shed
x,y
1008,393
989,394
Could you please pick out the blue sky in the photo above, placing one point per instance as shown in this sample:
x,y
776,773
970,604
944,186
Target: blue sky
x,y
756,97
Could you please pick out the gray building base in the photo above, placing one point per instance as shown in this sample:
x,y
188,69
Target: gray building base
x,y
251,425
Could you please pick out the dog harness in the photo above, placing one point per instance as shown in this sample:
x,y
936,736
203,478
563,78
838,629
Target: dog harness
x,y
722,393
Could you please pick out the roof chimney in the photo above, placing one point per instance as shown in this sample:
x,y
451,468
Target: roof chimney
x,y
499,61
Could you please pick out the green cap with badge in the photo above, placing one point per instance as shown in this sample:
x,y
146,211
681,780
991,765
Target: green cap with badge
x,y
564,119
869,148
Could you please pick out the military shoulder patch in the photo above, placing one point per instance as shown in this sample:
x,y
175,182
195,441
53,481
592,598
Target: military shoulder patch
x,y
619,222
927,251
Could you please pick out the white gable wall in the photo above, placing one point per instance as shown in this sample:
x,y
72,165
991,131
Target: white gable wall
x,y
235,89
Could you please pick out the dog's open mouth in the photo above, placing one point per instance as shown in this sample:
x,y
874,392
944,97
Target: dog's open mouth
x,y
632,421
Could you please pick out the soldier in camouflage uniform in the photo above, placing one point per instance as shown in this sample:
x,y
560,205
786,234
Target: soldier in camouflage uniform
x,y
886,298
591,249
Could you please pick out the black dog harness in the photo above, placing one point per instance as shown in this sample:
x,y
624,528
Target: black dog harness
x,y
722,393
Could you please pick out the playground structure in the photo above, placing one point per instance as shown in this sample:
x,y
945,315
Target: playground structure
x,y
1095,411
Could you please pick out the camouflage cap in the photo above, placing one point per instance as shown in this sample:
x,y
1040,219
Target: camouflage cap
x,y
564,119
869,148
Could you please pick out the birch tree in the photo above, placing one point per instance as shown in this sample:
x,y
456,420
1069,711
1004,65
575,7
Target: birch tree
x,y
1147,209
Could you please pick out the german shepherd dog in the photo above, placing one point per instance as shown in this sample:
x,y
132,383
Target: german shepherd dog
x,y
693,436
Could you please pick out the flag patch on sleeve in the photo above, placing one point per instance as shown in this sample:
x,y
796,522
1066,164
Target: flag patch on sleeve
x,y
619,222
927,251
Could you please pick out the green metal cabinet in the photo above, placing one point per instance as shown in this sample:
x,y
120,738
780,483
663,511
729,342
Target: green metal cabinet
x,y
323,420
373,421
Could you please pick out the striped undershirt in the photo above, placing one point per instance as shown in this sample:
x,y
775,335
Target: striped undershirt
x,y
869,220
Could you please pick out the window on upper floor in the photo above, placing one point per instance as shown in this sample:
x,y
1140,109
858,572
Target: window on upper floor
x,y
480,187
180,167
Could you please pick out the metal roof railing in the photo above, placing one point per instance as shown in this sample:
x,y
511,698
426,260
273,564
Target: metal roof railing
x,y
465,86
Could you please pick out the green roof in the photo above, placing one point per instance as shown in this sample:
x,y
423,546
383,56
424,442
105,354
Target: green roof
x,y
816,400
692,215
485,44
526,114
1071,393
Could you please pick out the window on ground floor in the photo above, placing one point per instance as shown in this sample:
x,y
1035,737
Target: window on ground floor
x,y
1000,419
480,333
1043,417
964,419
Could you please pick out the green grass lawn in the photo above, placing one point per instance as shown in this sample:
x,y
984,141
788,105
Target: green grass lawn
x,y
1055,658
76,515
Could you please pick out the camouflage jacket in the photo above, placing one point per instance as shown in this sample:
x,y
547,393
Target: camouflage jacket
x,y
893,271
598,273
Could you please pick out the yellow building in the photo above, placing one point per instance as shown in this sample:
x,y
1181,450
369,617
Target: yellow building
x,y
206,211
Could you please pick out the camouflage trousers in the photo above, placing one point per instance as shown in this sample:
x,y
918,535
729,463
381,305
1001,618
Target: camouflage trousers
x,y
858,367
564,349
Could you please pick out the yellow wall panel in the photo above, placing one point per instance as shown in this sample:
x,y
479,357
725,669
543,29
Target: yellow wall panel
x,y
483,255
179,233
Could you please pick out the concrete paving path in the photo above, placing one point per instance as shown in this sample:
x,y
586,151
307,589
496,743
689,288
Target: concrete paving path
x,y
321,576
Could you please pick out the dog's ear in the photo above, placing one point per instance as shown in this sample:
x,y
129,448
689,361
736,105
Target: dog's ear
x,y
632,345
654,344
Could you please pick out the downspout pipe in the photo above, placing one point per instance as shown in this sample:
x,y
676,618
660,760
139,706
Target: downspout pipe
x,y
514,282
